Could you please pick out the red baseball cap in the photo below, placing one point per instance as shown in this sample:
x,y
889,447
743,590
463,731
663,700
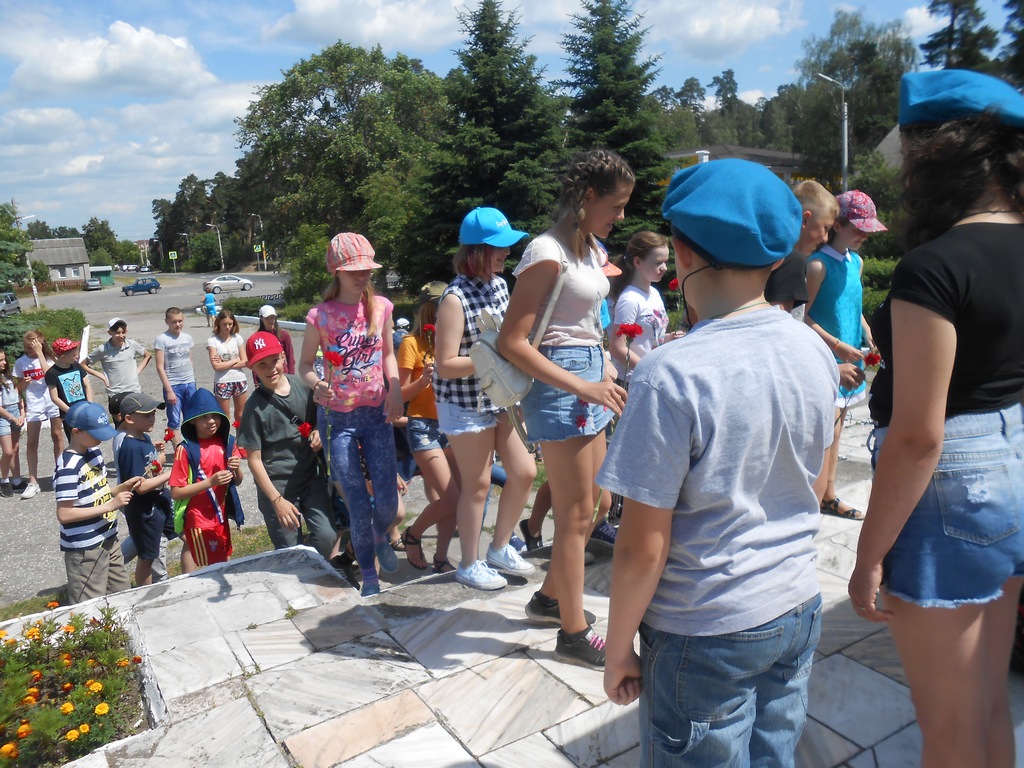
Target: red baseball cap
x,y
60,346
260,345
350,252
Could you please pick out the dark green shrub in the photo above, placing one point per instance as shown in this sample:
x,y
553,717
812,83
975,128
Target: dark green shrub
x,y
872,298
54,324
877,274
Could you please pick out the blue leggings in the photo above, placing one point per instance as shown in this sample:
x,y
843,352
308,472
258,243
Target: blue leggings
x,y
364,431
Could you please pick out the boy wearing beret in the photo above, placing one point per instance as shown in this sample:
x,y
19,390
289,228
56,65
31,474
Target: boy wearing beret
x,y
715,559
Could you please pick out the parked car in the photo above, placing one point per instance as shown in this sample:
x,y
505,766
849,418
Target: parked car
x,y
141,285
9,304
227,283
92,284
131,267
146,268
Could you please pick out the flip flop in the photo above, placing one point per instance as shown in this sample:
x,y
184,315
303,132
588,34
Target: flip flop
x,y
831,507
409,544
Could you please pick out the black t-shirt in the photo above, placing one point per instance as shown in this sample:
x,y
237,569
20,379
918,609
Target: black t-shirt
x,y
973,276
789,281
68,381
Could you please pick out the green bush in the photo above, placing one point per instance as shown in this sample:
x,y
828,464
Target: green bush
x,y
877,274
54,324
872,298
244,305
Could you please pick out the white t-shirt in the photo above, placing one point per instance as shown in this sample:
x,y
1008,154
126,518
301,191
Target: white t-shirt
x,y
646,310
37,394
177,364
576,319
227,350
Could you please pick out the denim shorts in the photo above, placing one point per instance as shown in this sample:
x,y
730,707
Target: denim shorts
x,y
456,420
964,538
552,414
425,435
5,425
734,699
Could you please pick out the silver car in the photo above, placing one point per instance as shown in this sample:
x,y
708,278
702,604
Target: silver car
x,y
227,283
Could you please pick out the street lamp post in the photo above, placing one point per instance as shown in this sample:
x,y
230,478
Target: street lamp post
x,y
219,245
263,244
844,131
28,263
188,249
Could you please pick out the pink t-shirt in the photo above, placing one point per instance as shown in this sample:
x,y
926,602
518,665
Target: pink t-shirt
x,y
358,379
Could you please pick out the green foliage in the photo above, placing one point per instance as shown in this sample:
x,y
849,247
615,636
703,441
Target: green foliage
x,y
12,274
877,274
40,272
964,42
97,234
205,253
100,258
304,261
882,184
53,323
608,82
14,242
1013,51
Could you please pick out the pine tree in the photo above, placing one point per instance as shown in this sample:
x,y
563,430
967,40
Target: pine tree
x,y
502,146
964,42
609,84
1013,52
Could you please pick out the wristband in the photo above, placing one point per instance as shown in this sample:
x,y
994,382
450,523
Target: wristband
x,y
838,342
274,502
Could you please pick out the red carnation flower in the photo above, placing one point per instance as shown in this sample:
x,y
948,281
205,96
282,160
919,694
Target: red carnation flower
x,y
305,428
429,328
673,284
872,359
334,358
236,424
581,422
155,467
168,434
629,330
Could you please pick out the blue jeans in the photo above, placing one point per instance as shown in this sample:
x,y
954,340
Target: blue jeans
x,y
183,392
727,700
364,431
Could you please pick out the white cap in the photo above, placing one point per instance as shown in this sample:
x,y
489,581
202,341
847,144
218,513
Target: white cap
x,y
114,321
267,311
402,323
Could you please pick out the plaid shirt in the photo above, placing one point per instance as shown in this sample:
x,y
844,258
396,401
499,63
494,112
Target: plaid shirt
x,y
475,296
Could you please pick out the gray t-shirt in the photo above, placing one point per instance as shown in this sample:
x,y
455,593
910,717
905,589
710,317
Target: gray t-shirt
x,y
177,364
287,457
728,427
119,365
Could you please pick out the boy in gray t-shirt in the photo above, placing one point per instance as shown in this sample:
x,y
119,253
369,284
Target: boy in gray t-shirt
x,y
722,437
120,361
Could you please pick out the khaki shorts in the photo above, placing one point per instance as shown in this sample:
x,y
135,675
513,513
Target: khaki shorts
x,y
96,572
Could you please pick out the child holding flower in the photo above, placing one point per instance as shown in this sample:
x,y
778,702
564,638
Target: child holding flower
x,y
149,512
282,447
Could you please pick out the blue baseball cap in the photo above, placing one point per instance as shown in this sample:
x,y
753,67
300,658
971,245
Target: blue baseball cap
x,y
488,226
733,213
90,418
933,98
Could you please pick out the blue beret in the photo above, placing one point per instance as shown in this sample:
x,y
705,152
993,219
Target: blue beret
x,y
733,213
932,98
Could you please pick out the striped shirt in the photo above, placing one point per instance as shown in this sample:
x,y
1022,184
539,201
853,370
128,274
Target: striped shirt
x,y
475,296
82,478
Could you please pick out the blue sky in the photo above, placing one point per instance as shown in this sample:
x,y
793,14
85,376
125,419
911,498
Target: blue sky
x,y
107,105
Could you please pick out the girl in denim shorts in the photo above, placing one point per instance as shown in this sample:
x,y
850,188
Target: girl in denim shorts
x,y
475,427
574,395
30,371
11,422
227,356
943,538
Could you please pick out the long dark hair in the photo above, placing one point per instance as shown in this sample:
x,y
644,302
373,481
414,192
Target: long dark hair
x,y
947,171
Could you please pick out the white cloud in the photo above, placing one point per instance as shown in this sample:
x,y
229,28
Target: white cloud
x,y
751,97
126,60
700,31
920,23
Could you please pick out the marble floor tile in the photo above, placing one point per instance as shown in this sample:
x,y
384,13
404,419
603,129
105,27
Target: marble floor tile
x,y
190,668
470,634
244,608
169,625
229,736
878,651
93,760
629,759
411,749
499,702
598,577
535,750
841,627
358,731
329,683
858,703
588,683
336,623
900,750
276,643
837,552
833,589
208,698
821,747
598,734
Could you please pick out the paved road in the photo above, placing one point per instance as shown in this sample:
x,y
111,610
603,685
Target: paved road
x,y
30,557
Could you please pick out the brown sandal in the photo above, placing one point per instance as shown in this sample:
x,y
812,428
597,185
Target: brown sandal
x,y
409,544
831,507
443,566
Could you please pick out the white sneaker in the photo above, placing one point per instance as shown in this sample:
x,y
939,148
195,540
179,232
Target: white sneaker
x,y
507,559
30,490
479,576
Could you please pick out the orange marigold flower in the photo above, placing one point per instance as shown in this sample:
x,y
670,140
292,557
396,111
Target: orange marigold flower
x,y
32,633
96,687
136,659
29,701
67,708
83,728
33,692
69,628
71,735
3,633
102,708
90,662
66,662
89,682
53,604
67,687
24,730
123,662
9,750
36,675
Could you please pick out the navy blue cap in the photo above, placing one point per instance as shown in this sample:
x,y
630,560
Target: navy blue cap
x,y
90,417
733,213
933,98
488,226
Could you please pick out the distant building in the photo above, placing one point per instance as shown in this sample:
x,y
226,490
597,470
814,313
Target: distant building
x,y
65,258
785,165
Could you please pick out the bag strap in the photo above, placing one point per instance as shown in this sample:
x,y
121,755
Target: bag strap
x,y
542,328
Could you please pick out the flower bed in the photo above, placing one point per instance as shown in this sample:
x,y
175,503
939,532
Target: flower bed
x,y
68,687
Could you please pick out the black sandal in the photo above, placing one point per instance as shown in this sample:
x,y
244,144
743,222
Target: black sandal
x,y
409,540
443,566
832,508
